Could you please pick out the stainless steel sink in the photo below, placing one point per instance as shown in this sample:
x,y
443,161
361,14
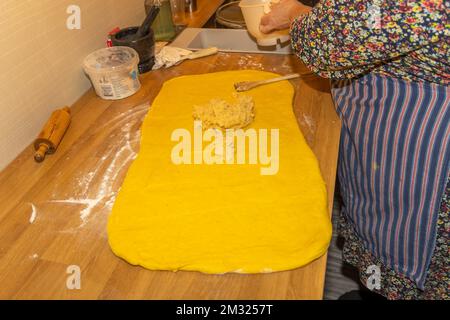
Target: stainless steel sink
x,y
227,40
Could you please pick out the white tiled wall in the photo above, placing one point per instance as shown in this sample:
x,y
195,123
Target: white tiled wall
x,y
41,60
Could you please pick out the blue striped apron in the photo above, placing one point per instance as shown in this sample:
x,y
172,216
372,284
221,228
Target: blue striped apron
x,y
393,166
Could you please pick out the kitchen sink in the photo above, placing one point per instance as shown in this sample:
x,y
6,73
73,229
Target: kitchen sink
x,y
227,40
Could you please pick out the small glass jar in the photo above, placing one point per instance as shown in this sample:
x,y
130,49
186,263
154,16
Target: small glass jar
x,y
179,13
163,26
191,5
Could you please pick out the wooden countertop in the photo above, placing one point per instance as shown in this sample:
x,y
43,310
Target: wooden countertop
x,y
53,215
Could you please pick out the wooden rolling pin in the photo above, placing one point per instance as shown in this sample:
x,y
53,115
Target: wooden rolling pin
x,y
52,134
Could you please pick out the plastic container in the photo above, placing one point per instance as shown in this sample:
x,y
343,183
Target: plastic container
x,y
253,11
113,72
145,46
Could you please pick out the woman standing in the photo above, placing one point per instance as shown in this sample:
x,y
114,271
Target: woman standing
x,y
390,70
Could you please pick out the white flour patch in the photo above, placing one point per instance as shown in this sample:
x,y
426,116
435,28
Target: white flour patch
x,y
308,127
33,213
249,62
110,203
88,203
285,68
93,188
34,256
309,122
104,197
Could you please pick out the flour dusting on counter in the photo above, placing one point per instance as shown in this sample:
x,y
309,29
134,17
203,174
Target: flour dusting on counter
x,y
248,61
34,256
95,184
33,213
308,126
309,121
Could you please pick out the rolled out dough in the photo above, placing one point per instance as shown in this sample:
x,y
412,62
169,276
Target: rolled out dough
x,y
220,218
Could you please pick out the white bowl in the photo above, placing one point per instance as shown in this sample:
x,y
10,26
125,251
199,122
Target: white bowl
x,y
253,11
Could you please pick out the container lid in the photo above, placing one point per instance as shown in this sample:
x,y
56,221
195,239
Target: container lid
x,y
113,58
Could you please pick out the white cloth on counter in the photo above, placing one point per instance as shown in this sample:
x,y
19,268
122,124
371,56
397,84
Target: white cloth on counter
x,y
169,56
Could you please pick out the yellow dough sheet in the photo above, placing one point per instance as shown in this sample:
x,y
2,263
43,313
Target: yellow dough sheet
x,y
220,218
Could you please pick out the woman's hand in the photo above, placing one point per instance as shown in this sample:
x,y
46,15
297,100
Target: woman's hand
x,y
282,14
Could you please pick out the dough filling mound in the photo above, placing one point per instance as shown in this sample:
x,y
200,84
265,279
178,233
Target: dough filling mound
x,y
220,114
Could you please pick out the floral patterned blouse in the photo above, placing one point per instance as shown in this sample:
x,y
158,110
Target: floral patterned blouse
x,y
407,39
